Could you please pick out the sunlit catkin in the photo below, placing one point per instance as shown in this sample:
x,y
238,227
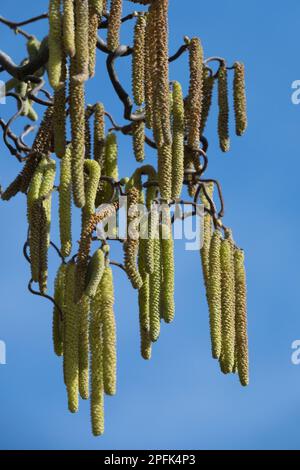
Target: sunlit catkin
x,y
93,171
131,245
55,44
110,168
228,303
239,92
155,280
114,25
223,119
94,273
241,317
83,310
138,64
195,93
138,138
214,295
165,171
150,65
208,87
82,40
69,27
77,113
58,320
94,19
167,257
99,134
178,141
65,207
60,114
144,302
71,339
207,234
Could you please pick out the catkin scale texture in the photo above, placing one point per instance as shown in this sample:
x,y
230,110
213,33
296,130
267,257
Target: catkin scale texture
x,y
239,94
195,93
214,294
168,270
138,63
57,323
114,25
55,44
131,245
99,134
81,40
69,28
178,141
207,234
223,119
65,200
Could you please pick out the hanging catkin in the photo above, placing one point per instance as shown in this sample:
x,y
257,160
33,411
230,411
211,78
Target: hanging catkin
x,y
138,138
82,40
165,171
239,91
151,194
207,234
109,332
95,12
214,295
155,292
71,338
110,168
60,114
69,27
99,134
241,317
208,86
77,113
178,141
138,64
195,93
114,25
228,303
55,44
65,207
131,245
57,323
223,120
83,310
150,64
167,257
94,273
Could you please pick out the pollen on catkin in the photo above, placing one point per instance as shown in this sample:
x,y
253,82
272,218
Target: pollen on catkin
x,y
223,119
114,24
138,138
167,259
60,114
239,93
110,168
131,245
228,303
58,320
55,44
208,87
81,40
155,292
165,171
83,310
214,294
150,66
94,273
178,141
69,27
241,317
195,93
207,234
94,18
65,203
138,63
99,134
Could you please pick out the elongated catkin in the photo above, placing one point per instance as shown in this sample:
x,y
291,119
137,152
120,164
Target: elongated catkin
x,y
208,87
223,120
239,94
99,134
55,44
58,320
131,245
69,28
114,25
168,270
138,137
82,40
65,200
60,114
195,93
155,286
83,310
214,294
207,233
94,273
178,141
138,64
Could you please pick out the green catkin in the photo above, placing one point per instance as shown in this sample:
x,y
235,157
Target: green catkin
x,y
110,167
31,113
57,324
99,134
165,171
88,134
109,332
33,46
94,273
42,143
114,25
93,171
207,234
167,260
195,93
93,36
83,347
138,64
223,120
239,93
241,317
65,204
69,28
71,340
77,113
138,138
131,245
155,292
178,141
96,366
55,46
150,196
82,40
150,66
98,5
60,114
214,295
228,303
208,87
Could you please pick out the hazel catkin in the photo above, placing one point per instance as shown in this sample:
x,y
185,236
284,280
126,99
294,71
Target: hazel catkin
x,y
58,321
65,201
55,45
195,93
114,25
132,243
223,119
94,273
81,40
167,259
99,134
214,295
138,65
239,93
69,27
178,141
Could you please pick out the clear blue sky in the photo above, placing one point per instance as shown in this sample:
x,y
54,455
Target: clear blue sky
x,y
180,400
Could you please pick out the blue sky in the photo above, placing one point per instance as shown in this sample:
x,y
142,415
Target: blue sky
x,y
179,400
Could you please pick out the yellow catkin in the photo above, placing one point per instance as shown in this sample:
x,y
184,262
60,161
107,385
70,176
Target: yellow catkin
x,y
155,279
168,269
99,134
152,220
165,171
110,168
58,320
207,234
214,295
195,93
71,339
109,332
94,273
69,27
43,141
131,245
92,170
239,93
138,138
150,66
178,141
60,114
82,40
94,18
83,310
65,207
241,317
208,87
138,64
223,120
114,24
55,44
77,113
228,304
96,361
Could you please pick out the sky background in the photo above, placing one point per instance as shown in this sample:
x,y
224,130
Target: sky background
x,y
178,400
